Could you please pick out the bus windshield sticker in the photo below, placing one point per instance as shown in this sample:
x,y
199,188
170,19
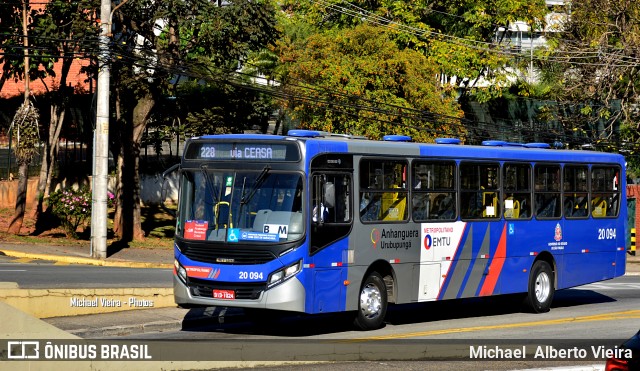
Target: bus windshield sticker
x,y
227,190
196,229
232,236
257,236
281,230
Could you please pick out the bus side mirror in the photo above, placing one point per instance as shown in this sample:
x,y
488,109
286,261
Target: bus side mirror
x,y
167,186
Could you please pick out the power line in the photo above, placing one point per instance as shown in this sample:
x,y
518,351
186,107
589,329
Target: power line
x,y
488,47
417,115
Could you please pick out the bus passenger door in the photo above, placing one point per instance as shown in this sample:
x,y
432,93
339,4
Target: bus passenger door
x,y
331,219
331,209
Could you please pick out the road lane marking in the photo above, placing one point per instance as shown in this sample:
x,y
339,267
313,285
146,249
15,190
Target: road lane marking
x,y
23,260
630,314
610,286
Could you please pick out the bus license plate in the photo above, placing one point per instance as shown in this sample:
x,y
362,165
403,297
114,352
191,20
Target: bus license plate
x,y
224,294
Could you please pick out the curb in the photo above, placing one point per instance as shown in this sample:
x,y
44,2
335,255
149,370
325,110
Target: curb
x,y
48,303
87,261
202,318
143,328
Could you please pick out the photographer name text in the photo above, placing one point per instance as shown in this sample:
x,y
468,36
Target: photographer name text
x,y
548,352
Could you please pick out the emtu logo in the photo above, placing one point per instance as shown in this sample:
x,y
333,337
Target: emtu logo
x,y
375,237
428,242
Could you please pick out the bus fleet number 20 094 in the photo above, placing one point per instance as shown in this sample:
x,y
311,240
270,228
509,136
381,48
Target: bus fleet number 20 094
x,y
606,233
250,275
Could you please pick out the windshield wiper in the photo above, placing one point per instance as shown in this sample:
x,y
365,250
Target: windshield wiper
x,y
259,180
211,183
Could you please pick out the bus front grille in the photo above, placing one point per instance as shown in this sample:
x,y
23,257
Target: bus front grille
x,y
227,256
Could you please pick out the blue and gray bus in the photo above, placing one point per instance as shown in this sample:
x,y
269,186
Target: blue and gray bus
x,y
316,222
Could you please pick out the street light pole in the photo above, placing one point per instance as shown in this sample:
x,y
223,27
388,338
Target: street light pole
x,y
101,141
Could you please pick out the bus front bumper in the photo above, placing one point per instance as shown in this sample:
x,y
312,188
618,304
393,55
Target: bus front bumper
x,y
289,296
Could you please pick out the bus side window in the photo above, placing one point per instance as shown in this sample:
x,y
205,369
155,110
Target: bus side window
x,y
480,190
517,190
575,179
605,191
383,190
547,191
433,194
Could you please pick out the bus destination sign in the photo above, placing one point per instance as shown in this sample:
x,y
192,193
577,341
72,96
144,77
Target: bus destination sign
x,y
242,151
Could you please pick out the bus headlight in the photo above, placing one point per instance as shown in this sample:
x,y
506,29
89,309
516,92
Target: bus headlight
x,y
284,274
181,271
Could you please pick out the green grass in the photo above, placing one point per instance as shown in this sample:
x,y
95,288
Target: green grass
x,y
157,224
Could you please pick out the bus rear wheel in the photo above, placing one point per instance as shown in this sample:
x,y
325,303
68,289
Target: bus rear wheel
x,y
372,303
541,290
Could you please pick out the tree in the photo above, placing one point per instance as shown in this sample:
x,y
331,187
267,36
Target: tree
x,y
66,30
160,40
458,37
594,61
25,128
358,81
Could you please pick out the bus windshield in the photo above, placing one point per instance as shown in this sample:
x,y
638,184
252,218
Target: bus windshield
x,y
240,206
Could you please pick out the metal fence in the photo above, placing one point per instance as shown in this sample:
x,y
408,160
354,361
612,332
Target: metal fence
x,y
76,158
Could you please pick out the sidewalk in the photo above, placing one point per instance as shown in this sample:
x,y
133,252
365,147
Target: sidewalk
x,y
132,257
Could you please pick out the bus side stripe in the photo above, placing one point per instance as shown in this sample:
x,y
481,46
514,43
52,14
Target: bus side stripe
x,y
496,265
479,267
460,267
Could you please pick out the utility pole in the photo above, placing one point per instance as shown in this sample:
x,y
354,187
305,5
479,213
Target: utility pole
x,y
101,141
25,43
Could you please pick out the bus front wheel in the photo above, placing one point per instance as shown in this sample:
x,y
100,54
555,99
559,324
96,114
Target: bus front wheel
x,y
372,303
541,290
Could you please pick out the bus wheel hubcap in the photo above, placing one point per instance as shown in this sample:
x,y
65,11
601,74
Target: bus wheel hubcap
x,y
543,287
370,301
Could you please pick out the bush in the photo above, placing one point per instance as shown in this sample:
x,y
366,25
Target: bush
x,y
73,208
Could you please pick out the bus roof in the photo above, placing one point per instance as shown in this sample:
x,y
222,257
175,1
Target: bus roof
x,y
401,145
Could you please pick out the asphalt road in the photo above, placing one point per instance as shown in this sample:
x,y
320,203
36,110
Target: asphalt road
x,y
44,274
601,314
